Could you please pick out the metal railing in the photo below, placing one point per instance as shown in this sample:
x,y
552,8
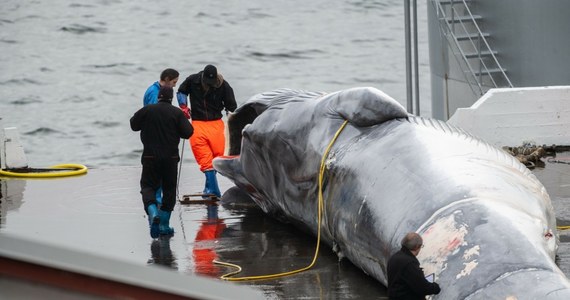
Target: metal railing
x,y
470,36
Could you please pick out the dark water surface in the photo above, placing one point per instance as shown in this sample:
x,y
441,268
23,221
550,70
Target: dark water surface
x,y
73,72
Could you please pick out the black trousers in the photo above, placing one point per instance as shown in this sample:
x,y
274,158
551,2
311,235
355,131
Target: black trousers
x,y
158,171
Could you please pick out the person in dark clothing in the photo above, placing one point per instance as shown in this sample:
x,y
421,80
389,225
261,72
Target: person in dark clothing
x,y
406,279
209,95
168,77
161,126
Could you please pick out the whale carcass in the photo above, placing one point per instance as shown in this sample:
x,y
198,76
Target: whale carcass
x,y
488,226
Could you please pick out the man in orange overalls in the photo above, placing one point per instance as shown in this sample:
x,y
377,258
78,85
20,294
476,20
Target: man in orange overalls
x,y
209,95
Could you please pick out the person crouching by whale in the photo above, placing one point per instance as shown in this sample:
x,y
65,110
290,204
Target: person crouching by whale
x,y
406,280
162,126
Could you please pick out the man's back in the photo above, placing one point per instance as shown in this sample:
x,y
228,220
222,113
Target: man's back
x,y
405,278
162,125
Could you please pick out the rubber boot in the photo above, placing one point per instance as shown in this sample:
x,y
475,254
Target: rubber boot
x,y
159,197
164,225
153,220
212,184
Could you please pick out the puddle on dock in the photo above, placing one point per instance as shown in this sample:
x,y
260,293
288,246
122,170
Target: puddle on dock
x,y
101,213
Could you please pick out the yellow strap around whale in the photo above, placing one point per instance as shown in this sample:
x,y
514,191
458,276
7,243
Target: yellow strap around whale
x,y
320,211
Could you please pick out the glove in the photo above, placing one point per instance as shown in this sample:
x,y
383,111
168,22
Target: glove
x,y
181,97
185,110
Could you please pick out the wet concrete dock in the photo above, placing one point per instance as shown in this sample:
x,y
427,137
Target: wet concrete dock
x,y
101,213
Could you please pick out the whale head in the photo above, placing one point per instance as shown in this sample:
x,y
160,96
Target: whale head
x,y
293,124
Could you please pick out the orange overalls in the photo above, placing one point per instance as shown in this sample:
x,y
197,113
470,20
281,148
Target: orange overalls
x,y
208,142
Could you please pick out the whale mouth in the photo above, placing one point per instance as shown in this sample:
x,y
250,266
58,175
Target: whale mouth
x,y
227,165
230,166
237,121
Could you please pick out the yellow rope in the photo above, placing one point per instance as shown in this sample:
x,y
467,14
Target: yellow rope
x,y
563,227
320,211
79,169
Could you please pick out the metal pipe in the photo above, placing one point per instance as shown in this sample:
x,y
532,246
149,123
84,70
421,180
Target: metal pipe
x,y
2,155
408,58
415,42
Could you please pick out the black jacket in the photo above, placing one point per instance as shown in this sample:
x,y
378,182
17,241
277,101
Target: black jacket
x,y
207,104
161,125
406,279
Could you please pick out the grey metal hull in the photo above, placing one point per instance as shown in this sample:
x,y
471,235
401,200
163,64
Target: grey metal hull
x,y
487,222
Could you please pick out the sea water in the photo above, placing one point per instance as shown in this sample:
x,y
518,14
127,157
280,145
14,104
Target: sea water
x,y
72,73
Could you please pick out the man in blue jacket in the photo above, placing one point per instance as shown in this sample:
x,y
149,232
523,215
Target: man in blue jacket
x,y
168,78
162,126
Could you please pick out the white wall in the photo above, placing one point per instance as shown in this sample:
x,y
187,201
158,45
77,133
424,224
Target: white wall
x,y
512,117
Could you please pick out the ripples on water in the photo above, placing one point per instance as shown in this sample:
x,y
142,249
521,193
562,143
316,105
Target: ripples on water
x,y
72,73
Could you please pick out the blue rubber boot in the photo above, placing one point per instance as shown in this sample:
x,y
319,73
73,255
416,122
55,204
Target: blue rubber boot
x,y
212,184
153,220
159,197
164,225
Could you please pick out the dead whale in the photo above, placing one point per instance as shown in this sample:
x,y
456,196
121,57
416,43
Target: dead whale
x,y
488,225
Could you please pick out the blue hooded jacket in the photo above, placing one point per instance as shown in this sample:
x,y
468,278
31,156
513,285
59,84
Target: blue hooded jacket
x,y
151,94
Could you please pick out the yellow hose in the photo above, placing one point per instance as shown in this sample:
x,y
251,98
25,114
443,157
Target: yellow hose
x,y
79,169
563,227
320,211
